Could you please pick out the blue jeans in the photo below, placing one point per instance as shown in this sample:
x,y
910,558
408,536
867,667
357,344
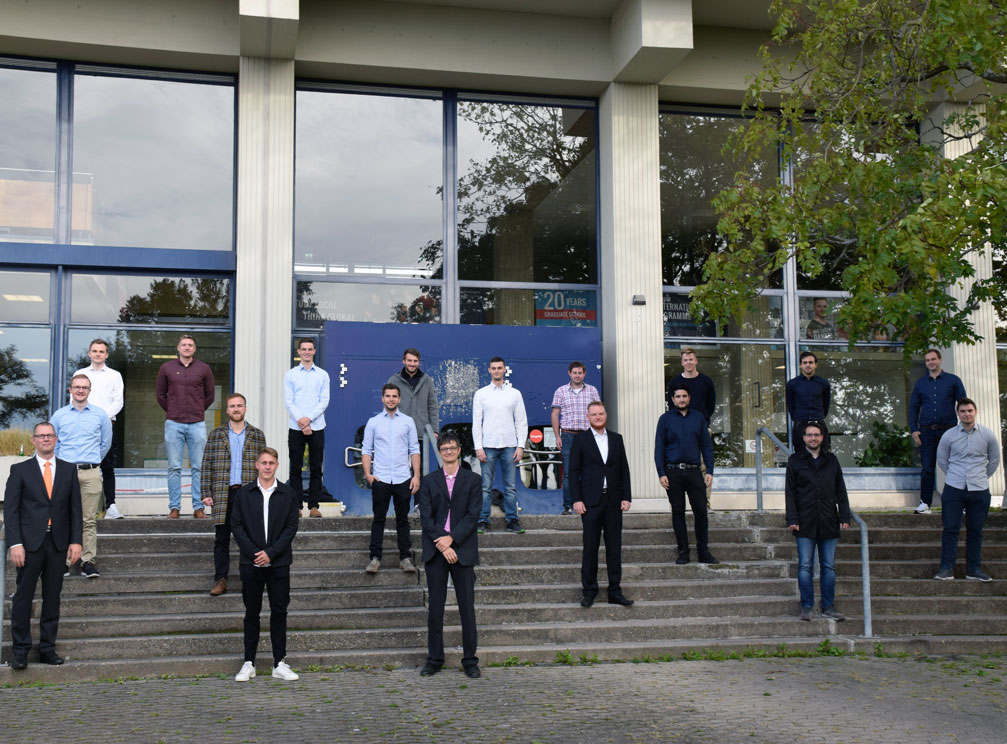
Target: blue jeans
x,y
567,439
929,439
827,559
508,471
176,437
976,505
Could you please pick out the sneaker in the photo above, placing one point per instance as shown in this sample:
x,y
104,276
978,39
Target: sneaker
x,y
482,528
407,565
978,575
282,671
806,614
88,571
515,527
112,512
944,575
923,508
374,566
567,512
834,614
246,672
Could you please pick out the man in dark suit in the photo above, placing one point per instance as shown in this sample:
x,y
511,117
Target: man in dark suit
x,y
599,486
450,499
44,522
264,521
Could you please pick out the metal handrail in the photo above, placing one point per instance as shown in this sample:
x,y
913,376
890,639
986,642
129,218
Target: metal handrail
x,y
430,445
865,562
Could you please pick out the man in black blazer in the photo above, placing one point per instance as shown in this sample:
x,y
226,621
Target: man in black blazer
x,y
450,499
599,486
264,522
44,523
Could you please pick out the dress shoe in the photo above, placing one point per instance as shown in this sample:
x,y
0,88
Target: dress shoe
x,y
708,558
50,657
19,662
587,600
473,672
199,514
173,514
620,599
219,588
683,558
429,669
314,512
567,512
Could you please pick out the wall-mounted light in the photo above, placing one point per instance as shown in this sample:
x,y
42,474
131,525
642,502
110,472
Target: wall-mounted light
x,y
639,300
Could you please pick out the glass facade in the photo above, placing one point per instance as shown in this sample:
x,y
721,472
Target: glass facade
x,y
318,302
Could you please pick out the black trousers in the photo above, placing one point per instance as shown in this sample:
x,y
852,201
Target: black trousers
x,y
222,541
315,442
605,517
276,581
48,562
108,474
464,578
680,483
381,495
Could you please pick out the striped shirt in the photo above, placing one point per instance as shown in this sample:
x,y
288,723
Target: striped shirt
x,y
572,405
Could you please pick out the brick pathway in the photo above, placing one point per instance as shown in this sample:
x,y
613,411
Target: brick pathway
x,y
756,700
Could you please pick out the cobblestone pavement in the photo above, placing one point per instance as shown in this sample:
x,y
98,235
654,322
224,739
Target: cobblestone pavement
x,y
755,700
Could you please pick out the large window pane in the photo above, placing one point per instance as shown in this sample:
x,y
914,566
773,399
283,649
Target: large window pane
x,y
369,171
694,169
24,297
153,163
27,155
526,193
24,376
550,307
1002,375
764,319
100,298
750,381
870,383
137,355
318,302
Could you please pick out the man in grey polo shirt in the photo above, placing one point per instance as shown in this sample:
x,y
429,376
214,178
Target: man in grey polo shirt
x,y
968,455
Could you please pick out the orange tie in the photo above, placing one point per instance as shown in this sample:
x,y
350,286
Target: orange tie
x,y
47,477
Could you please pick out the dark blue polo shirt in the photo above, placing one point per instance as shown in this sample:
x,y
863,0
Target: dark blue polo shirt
x,y
808,398
933,401
683,439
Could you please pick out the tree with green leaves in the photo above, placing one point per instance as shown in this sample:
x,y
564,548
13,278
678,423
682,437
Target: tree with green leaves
x,y
865,100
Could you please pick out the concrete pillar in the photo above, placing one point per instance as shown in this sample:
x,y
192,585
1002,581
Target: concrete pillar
x,y
264,272
632,335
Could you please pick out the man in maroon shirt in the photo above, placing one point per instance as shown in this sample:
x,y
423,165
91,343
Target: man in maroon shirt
x,y
184,391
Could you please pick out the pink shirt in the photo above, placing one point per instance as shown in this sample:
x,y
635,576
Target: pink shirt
x,y
451,487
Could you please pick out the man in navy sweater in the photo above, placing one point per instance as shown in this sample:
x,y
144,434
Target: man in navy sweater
x,y
682,443
808,397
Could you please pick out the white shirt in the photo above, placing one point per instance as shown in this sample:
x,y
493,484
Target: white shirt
x,y
266,493
602,441
498,417
106,389
41,466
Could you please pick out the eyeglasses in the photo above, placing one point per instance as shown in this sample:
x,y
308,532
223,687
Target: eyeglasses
x,y
43,436
80,387
449,448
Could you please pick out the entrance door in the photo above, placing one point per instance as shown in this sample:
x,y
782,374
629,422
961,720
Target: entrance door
x,y
360,357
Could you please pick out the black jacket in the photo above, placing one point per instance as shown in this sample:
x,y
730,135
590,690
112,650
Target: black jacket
x,y
28,509
816,495
588,472
465,504
248,529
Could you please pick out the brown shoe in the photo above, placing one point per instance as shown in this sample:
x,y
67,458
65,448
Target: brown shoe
x,y
313,512
219,588
173,514
199,514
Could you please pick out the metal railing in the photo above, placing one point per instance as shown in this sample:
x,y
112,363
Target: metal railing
x,y
865,562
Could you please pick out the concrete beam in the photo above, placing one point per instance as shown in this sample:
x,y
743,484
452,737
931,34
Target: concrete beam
x,y
268,28
650,37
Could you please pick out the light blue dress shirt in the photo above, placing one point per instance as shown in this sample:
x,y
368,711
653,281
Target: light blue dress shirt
x,y
237,443
390,440
84,436
968,458
306,393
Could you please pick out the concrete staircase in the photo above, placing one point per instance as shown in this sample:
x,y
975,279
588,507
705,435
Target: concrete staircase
x,y
150,614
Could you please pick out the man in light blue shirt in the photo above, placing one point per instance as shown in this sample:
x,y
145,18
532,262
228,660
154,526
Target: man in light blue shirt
x,y
391,462
84,434
306,395
968,455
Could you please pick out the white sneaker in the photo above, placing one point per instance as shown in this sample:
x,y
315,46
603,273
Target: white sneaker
x,y
246,673
282,671
922,508
113,512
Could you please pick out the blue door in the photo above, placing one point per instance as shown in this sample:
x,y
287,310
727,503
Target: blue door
x,y
360,357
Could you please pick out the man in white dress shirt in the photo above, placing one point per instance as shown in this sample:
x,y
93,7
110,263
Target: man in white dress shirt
x,y
106,393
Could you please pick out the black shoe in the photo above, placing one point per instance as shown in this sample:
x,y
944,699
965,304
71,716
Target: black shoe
x,y
473,672
50,657
19,662
482,527
587,600
620,599
683,558
834,614
430,669
567,512
708,558
88,571
515,527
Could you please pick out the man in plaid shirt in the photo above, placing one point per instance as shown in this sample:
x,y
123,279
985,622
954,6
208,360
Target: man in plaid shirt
x,y
569,418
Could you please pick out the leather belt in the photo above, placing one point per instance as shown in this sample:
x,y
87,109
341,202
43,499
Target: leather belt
x,y
935,427
681,466
574,431
235,487
87,466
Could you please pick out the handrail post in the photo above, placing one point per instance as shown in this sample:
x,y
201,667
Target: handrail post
x,y
758,472
865,574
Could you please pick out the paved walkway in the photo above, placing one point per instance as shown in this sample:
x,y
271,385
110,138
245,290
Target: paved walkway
x,y
756,700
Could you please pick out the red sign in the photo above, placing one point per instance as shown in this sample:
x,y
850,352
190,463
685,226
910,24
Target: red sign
x,y
535,435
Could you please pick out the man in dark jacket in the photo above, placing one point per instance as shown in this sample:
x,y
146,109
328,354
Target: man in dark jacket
x,y
817,510
418,398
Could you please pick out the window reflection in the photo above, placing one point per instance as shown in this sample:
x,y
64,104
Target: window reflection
x,y
153,163
559,307
318,302
27,155
369,171
24,296
100,298
24,376
526,193
763,319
